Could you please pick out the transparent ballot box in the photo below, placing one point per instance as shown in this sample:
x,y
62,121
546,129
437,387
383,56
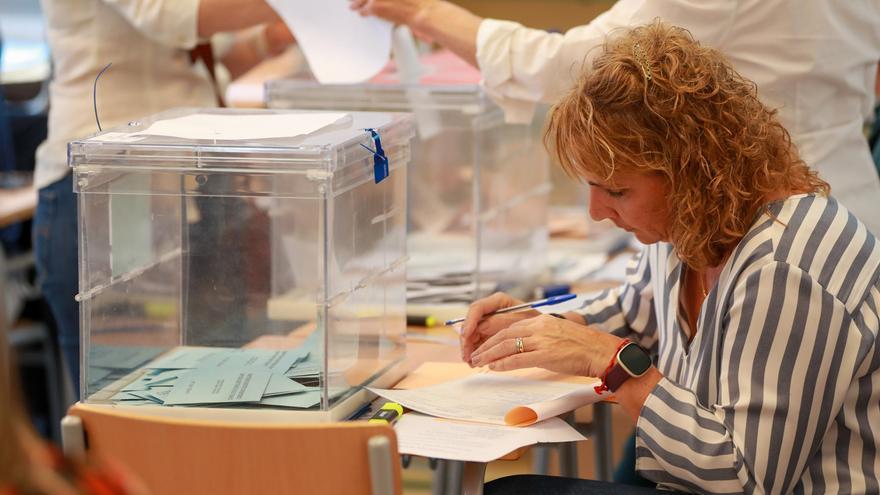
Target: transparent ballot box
x,y
478,187
194,222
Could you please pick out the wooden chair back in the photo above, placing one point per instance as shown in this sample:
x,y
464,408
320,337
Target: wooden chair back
x,y
187,456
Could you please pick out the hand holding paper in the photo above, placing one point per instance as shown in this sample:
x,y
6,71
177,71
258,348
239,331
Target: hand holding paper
x,y
341,46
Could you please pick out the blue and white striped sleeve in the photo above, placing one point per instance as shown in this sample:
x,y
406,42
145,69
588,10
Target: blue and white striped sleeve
x,y
627,311
788,352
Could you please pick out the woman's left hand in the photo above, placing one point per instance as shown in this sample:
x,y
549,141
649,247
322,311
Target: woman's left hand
x,y
550,343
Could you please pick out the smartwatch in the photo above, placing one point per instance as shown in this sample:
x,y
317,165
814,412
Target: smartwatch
x,y
631,362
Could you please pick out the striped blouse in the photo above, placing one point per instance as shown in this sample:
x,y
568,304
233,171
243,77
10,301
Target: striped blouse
x,y
779,390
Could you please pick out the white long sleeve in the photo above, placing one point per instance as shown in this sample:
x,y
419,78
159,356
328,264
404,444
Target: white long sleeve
x,y
813,60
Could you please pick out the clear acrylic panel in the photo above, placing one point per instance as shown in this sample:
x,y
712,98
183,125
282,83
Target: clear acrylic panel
x,y
241,274
478,187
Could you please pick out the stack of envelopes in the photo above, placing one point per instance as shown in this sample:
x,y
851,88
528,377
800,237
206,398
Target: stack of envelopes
x,y
228,377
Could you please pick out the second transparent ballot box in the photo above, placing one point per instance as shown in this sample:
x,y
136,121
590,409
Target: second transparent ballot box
x,y
478,186
194,223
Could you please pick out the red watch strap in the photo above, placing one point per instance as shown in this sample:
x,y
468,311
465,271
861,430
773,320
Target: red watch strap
x,y
602,387
616,377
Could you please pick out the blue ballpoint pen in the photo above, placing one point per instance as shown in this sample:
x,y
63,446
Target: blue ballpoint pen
x,y
534,304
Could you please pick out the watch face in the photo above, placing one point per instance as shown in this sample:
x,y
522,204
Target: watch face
x,y
634,360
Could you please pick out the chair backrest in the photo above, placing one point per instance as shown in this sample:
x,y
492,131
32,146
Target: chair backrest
x,y
187,456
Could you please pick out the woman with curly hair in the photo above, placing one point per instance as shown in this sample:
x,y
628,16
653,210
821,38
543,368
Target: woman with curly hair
x,y
744,343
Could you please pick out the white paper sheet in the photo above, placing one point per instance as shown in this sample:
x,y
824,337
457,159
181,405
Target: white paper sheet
x,y
117,137
242,127
422,435
341,46
495,399
409,70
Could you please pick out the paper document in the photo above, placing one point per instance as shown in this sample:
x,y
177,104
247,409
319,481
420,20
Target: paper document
x,y
219,386
221,376
305,369
131,399
281,385
157,395
278,361
409,69
418,434
496,399
155,378
303,400
341,46
184,357
215,126
309,398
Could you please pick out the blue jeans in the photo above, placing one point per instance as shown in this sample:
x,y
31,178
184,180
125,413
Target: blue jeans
x,y
625,472
536,484
56,248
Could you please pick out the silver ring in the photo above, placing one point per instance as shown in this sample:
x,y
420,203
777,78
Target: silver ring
x,y
519,345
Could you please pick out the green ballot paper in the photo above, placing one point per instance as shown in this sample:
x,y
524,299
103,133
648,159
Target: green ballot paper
x,y
219,386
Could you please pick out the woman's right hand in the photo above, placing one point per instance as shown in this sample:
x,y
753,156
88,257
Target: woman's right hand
x,y
476,327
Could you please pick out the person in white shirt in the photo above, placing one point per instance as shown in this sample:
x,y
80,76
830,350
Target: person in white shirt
x,y
813,60
149,44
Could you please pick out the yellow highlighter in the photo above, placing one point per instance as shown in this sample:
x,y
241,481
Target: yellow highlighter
x,y
421,321
388,413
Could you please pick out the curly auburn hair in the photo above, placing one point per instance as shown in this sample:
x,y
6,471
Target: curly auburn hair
x,y
656,101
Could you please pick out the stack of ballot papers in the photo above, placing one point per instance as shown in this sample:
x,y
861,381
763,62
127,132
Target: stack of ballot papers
x,y
485,416
225,377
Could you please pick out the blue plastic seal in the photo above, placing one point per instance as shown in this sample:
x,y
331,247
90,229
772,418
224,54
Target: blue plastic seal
x,y
380,161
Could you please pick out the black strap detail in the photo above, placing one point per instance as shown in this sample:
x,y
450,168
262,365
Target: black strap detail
x,y
205,53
